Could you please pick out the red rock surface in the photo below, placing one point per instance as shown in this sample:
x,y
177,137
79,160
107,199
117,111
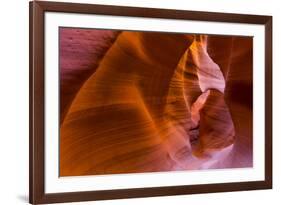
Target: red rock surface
x,y
147,101
80,53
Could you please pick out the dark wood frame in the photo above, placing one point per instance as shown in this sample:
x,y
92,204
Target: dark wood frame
x,y
37,194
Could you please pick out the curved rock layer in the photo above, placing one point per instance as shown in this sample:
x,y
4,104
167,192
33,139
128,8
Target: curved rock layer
x,y
135,102
80,53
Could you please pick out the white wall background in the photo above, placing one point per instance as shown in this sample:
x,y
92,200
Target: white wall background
x,y
14,100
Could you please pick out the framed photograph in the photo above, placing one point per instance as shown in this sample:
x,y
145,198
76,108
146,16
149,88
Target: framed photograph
x,y
139,102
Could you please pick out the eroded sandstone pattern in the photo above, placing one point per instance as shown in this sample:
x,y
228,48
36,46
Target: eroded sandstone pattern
x,y
134,102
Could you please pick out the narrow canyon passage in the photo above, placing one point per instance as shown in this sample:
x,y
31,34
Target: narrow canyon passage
x,y
135,102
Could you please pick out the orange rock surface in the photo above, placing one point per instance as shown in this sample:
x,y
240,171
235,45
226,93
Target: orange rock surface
x,y
135,102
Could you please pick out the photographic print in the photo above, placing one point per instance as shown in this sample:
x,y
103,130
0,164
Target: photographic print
x,y
130,102
139,101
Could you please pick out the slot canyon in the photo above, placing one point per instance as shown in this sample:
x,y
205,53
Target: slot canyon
x,y
137,101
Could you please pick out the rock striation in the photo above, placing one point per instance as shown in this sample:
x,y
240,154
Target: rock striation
x,y
135,102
